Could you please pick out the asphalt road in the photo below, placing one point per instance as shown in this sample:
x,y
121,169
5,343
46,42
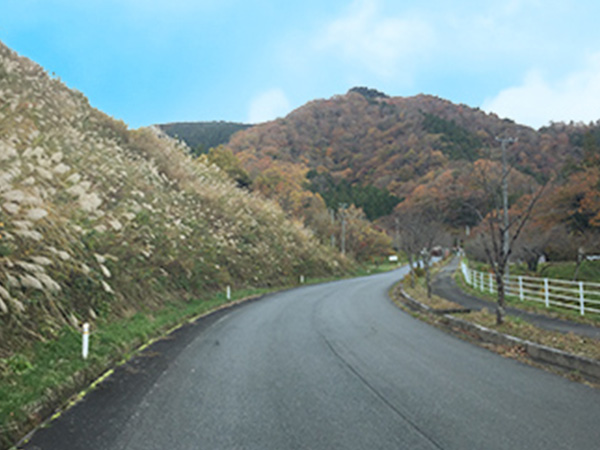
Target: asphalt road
x,y
334,366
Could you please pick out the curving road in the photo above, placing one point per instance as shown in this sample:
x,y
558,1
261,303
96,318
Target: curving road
x,y
333,366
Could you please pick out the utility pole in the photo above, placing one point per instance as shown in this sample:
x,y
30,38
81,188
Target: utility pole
x,y
505,141
397,236
332,215
342,207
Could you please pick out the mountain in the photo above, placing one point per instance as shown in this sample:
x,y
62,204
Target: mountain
x,y
367,148
98,222
387,141
202,136
390,156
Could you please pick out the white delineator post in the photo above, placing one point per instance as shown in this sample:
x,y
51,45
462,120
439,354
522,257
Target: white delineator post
x,y
228,292
85,343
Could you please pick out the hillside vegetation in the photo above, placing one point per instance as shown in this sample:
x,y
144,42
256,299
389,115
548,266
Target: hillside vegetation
x,y
99,222
390,155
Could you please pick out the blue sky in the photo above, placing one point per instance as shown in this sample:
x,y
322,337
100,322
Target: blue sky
x,y
150,61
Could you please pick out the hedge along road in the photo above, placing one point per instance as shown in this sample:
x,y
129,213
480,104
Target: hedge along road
x,y
321,367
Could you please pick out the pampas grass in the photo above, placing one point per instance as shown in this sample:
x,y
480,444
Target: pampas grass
x,y
99,221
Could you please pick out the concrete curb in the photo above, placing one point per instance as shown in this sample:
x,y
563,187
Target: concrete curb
x,y
588,368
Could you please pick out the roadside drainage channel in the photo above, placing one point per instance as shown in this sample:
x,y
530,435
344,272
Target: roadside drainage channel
x,y
586,367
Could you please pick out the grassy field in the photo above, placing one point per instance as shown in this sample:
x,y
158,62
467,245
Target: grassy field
x,y
588,271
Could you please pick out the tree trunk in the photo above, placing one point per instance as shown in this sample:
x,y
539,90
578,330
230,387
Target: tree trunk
x,y
532,261
428,277
412,271
500,307
532,265
428,284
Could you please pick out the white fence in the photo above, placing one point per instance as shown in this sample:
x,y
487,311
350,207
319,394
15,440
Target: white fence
x,y
578,295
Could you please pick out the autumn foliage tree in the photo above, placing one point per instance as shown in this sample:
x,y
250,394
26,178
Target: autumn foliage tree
x,y
567,224
363,241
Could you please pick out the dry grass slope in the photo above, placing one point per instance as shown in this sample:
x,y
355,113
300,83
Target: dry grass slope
x,y
100,221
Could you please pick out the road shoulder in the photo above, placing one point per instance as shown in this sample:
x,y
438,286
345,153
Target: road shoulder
x,y
569,362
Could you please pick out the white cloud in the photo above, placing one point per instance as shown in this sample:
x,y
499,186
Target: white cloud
x,y
537,101
375,42
268,105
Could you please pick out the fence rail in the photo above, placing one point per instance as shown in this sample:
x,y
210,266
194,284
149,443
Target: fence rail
x,y
578,295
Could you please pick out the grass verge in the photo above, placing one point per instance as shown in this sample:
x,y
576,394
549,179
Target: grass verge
x,y
49,375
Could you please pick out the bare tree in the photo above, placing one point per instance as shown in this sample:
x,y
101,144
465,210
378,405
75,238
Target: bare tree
x,y
419,233
409,243
499,231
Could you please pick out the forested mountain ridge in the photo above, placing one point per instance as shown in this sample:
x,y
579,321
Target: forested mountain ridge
x,y
202,136
372,150
421,149
389,141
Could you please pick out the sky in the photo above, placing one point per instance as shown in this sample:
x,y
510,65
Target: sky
x,y
149,61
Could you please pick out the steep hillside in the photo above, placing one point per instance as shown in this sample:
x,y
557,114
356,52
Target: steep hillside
x,y
202,136
365,141
97,221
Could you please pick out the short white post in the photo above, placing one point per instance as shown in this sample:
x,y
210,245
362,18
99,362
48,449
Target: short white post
x,y
85,343
546,293
521,288
301,279
581,299
491,283
228,292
